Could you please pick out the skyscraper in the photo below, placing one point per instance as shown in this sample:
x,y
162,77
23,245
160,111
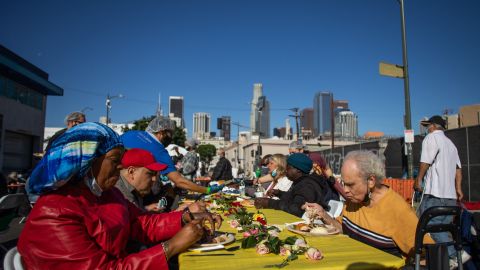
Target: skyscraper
x,y
176,108
201,125
159,106
225,130
346,124
306,122
260,120
321,113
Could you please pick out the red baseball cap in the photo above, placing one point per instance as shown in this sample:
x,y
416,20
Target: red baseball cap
x,y
137,157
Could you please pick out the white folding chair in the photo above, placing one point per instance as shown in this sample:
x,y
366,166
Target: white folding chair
x,y
12,260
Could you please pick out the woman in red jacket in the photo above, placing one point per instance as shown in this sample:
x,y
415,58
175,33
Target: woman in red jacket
x,y
80,222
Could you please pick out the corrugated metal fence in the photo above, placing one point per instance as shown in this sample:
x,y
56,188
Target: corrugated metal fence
x,y
467,141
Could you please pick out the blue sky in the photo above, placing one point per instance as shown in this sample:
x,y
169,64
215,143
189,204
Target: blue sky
x,y
212,52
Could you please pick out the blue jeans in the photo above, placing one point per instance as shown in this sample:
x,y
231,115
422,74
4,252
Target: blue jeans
x,y
430,201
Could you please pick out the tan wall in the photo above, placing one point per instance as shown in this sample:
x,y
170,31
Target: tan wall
x,y
469,115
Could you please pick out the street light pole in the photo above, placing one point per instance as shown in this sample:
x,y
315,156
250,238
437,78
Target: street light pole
x,y
408,120
109,106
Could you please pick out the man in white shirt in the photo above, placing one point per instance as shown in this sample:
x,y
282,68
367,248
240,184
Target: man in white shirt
x,y
440,168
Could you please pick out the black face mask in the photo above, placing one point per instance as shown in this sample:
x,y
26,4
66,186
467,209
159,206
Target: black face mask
x,y
166,141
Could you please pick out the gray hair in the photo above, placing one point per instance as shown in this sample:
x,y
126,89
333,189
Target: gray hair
x,y
368,164
437,126
74,116
296,145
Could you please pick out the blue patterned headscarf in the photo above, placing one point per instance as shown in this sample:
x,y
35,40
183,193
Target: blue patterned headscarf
x,y
71,156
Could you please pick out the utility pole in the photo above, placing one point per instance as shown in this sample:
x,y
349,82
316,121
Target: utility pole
x,y
238,140
408,119
332,123
401,72
109,106
295,110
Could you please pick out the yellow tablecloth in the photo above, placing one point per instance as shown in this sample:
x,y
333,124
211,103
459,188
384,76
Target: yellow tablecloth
x,y
340,252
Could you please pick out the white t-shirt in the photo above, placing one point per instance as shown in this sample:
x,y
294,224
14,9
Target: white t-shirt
x,y
440,177
283,184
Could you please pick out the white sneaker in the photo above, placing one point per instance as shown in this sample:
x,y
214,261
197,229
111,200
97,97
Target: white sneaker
x,y
454,263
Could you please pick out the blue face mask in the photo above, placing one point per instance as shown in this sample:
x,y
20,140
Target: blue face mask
x,y
274,173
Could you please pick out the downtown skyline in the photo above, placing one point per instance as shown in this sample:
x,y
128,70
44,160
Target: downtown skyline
x,y
212,52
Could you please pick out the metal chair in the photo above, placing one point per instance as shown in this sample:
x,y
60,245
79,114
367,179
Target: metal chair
x,y
12,260
434,261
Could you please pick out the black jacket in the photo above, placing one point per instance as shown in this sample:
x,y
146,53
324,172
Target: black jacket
x,y
305,189
223,170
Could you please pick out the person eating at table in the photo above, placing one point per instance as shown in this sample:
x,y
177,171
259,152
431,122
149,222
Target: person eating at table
x,y
139,172
81,222
277,166
304,188
373,213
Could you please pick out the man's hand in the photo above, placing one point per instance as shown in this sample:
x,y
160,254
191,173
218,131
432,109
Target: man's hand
x,y
154,208
417,186
261,202
272,193
215,189
459,195
197,207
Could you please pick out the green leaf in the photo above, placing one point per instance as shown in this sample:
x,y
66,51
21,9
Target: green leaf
x,y
291,240
249,242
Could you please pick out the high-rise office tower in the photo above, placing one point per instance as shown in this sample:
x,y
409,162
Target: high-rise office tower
x,y
201,125
346,124
176,108
260,119
321,113
306,120
225,128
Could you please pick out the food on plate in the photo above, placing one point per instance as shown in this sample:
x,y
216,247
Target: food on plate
x,y
220,239
319,230
247,203
302,227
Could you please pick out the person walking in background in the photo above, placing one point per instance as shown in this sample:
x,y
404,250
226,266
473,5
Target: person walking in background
x,y
223,169
71,120
440,170
190,160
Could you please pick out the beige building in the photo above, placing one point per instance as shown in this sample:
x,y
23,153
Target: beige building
x,y
469,115
245,150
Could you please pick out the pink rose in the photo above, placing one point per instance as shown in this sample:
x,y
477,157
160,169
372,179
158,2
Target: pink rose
x,y
254,232
313,254
285,251
246,234
262,249
234,223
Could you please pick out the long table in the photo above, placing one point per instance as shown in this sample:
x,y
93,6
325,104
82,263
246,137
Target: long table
x,y
340,252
